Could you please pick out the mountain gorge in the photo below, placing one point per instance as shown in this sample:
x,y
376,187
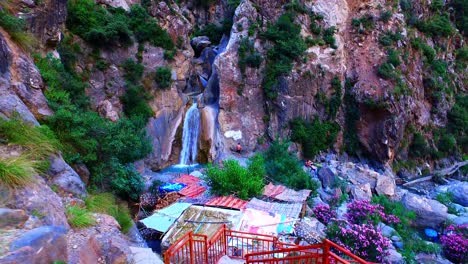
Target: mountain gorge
x,y
105,86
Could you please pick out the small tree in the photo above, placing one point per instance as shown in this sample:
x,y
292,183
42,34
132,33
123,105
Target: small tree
x,y
232,178
163,77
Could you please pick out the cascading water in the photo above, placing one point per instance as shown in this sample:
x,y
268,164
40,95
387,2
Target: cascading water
x,y
191,129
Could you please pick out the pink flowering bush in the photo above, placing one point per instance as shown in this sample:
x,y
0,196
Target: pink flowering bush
x,y
364,240
324,213
362,211
455,243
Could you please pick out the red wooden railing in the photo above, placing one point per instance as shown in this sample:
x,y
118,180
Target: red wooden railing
x,y
254,248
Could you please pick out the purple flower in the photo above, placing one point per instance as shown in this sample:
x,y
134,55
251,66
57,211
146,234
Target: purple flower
x,y
324,213
455,243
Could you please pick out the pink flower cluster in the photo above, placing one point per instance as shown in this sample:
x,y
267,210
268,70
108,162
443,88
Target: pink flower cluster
x,y
362,211
324,213
363,240
455,243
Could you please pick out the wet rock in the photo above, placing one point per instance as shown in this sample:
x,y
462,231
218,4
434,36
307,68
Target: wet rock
x,y
10,218
63,176
327,177
361,192
199,43
41,245
430,213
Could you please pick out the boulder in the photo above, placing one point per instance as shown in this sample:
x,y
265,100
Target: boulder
x,y
327,177
361,192
11,218
459,191
394,257
431,258
386,230
199,43
38,198
65,177
41,245
385,185
430,213
82,171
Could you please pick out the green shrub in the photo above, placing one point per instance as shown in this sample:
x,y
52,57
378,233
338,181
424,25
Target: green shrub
x,y
296,7
135,102
314,136
418,147
163,77
97,25
437,5
287,47
385,16
458,115
79,217
16,28
133,71
16,171
447,143
105,203
386,71
284,167
126,181
460,8
437,25
389,38
232,178
364,23
248,55
439,67
393,57
335,101
146,29
329,37
461,56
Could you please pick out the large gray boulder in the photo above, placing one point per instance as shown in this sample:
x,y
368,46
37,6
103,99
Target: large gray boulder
x,y
327,177
42,245
11,218
63,176
430,213
385,185
459,191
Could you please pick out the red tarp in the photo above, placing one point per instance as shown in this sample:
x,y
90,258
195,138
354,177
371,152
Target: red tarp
x,y
192,191
187,179
227,202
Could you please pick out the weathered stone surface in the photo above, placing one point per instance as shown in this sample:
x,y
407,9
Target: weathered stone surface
x,y
39,198
199,43
115,3
41,245
394,257
10,218
459,191
385,185
102,242
327,177
431,258
361,192
430,213
83,171
63,176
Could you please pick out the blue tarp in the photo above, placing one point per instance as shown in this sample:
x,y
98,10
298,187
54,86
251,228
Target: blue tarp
x,y
171,187
162,219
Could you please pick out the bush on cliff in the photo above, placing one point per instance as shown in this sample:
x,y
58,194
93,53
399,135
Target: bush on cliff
x,y
232,178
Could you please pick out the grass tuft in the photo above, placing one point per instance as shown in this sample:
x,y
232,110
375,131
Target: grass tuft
x,y
79,217
105,203
16,171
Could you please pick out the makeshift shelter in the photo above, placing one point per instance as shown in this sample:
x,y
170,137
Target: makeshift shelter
x,y
292,210
162,220
227,202
282,193
265,223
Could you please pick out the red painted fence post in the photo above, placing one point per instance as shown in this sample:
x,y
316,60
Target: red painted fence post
x,y
326,250
191,247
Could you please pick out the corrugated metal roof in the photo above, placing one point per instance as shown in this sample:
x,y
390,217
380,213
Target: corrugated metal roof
x,y
192,191
162,219
227,202
273,190
187,179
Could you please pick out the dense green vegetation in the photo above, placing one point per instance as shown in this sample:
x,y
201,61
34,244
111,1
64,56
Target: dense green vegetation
x,y
104,146
163,77
232,178
363,24
314,136
107,27
248,55
79,217
460,8
285,168
16,29
288,46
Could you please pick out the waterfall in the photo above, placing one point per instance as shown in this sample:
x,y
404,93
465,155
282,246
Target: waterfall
x,y
188,155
